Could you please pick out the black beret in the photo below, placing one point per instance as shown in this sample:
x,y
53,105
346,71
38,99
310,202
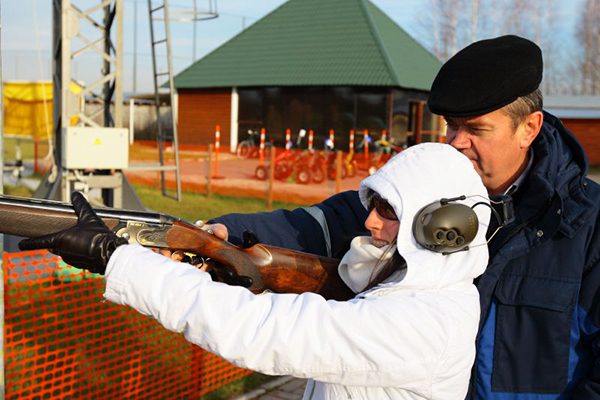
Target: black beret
x,y
486,76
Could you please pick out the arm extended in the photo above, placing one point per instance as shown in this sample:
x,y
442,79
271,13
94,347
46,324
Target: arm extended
x,y
327,230
270,267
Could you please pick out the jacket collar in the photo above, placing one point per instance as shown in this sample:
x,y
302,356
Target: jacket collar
x,y
559,168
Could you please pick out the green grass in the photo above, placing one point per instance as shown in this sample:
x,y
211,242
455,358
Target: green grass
x,y
193,206
21,190
27,149
196,206
239,387
594,170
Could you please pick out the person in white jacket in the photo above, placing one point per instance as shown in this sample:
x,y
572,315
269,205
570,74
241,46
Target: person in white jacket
x,y
409,335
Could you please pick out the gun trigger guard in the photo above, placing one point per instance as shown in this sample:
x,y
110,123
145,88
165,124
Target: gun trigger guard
x,y
249,239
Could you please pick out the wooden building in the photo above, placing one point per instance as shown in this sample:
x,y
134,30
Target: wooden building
x,y
581,115
309,64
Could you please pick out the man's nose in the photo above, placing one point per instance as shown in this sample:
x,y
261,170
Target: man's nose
x,y
460,139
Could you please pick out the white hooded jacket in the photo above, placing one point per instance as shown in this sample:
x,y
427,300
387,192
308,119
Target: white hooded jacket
x,y
409,338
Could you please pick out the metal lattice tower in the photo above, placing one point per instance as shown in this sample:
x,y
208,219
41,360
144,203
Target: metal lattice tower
x,y
96,32
108,89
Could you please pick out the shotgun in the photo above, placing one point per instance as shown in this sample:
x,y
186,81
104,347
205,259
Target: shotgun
x,y
271,268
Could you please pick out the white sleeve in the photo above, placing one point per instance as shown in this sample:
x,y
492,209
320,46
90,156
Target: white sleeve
x,y
377,341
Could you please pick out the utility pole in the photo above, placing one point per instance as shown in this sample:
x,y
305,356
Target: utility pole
x,y
2,380
134,89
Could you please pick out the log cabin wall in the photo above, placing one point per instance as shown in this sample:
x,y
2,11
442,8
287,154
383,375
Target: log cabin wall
x,y
587,131
200,110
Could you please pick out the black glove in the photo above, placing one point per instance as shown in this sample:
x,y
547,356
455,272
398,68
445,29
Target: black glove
x,y
224,274
221,273
87,245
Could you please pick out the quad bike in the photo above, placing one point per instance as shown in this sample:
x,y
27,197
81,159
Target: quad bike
x,y
250,148
384,150
283,162
283,167
309,167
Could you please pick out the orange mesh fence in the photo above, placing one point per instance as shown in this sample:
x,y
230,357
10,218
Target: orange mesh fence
x,y
63,341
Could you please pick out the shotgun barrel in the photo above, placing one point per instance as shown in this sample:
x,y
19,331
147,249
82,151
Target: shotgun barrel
x,y
271,268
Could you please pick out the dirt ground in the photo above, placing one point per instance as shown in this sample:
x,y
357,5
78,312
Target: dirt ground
x,y
236,177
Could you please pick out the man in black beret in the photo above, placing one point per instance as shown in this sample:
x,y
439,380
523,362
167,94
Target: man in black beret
x,y
540,295
490,89
539,335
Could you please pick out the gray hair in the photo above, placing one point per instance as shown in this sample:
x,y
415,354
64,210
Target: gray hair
x,y
519,109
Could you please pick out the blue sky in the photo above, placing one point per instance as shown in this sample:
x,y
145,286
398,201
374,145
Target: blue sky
x,y
27,34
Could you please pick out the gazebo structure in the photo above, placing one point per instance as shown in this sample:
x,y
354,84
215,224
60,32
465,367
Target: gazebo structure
x,y
310,64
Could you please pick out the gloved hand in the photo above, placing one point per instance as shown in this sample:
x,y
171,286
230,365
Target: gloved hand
x,y
87,245
225,274
221,273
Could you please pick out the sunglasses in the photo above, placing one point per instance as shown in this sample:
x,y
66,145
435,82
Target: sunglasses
x,y
383,208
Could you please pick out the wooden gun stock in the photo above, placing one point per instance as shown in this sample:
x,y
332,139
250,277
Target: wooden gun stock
x,y
271,268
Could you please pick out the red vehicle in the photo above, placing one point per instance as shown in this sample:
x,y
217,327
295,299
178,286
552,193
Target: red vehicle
x,y
284,162
250,148
383,151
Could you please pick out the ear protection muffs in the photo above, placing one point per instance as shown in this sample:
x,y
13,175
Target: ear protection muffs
x,y
445,227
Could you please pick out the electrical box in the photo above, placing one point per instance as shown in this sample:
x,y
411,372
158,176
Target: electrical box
x,y
95,148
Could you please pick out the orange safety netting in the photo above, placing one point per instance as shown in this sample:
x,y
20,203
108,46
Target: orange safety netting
x,y
63,341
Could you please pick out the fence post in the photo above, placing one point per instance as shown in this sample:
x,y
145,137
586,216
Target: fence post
x,y
261,148
209,170
271,181
351,149
35,155
366,134
131,120
419,122
217,146
288,140
332,138
310,139
338,171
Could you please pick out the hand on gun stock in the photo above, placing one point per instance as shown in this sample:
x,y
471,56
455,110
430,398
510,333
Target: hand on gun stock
x,y
219,272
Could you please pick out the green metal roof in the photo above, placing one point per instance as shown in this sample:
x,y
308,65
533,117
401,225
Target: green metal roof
x,y
314,43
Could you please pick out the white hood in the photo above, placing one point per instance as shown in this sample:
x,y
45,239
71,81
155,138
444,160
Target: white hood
x,y
415,178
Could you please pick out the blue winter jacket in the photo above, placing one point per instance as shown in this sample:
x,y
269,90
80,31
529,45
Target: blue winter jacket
x,y
540,295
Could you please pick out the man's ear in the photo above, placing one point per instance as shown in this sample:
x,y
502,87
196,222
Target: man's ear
x,y
531,127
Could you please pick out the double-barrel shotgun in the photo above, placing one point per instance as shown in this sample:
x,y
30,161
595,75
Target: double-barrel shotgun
x,y
270,268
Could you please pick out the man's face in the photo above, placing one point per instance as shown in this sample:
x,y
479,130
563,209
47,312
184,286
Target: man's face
x,y
498,151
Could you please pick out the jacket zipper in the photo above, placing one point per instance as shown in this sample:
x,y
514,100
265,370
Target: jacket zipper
x,y
312,390
472,392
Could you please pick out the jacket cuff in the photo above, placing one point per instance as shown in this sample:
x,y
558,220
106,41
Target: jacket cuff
x,y
116,272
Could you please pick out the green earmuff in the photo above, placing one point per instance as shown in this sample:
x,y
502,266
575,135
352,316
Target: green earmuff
x,y
445,227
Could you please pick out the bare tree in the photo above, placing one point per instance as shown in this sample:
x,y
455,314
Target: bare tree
x,y
474,19
440,24
450,25
588,36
